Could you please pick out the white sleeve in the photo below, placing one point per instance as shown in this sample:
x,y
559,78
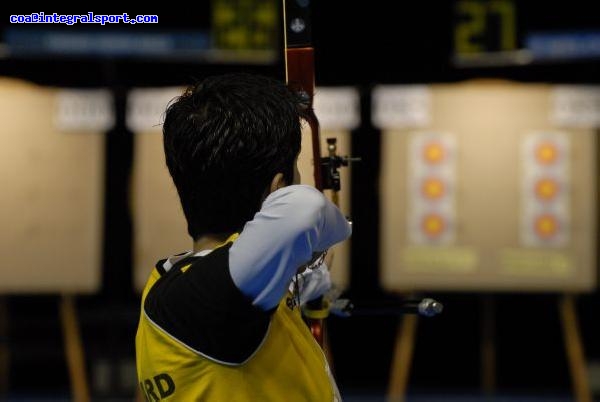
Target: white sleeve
x,y
292,224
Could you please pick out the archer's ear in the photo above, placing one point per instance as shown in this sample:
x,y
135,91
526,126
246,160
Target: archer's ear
x,y
277,182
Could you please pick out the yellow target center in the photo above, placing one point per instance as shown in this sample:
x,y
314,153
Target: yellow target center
x,y
546,226
434,153
433,188
433,225
546,189
546,153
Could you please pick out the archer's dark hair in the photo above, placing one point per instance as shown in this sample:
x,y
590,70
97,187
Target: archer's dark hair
x,y
225,138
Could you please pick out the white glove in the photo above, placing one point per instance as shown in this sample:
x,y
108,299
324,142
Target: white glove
x,y
312,283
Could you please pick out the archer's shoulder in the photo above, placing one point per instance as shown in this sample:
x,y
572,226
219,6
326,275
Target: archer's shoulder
x,y
297,194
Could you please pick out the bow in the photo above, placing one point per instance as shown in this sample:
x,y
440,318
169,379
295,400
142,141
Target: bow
x,y
300,77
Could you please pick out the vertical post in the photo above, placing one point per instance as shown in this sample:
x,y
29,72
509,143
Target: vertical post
x,y
402,358
574,349
488,345
74,349
4,349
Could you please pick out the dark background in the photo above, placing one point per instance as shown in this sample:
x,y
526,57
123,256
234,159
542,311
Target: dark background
x,y
359,44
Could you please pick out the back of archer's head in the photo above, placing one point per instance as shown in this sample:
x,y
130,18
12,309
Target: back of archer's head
x,y
225,138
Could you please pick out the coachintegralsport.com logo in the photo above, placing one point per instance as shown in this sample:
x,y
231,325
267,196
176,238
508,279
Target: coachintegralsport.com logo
x,y
89,18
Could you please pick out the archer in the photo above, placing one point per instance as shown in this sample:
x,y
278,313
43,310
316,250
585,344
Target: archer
x,y
217,319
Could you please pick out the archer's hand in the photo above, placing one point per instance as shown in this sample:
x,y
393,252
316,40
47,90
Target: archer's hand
x,y
312,283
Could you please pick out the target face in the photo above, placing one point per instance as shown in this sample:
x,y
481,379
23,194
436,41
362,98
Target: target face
x,y
432,176
545,213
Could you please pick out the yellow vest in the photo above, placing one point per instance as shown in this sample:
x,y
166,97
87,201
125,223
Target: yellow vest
x,y
289,365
